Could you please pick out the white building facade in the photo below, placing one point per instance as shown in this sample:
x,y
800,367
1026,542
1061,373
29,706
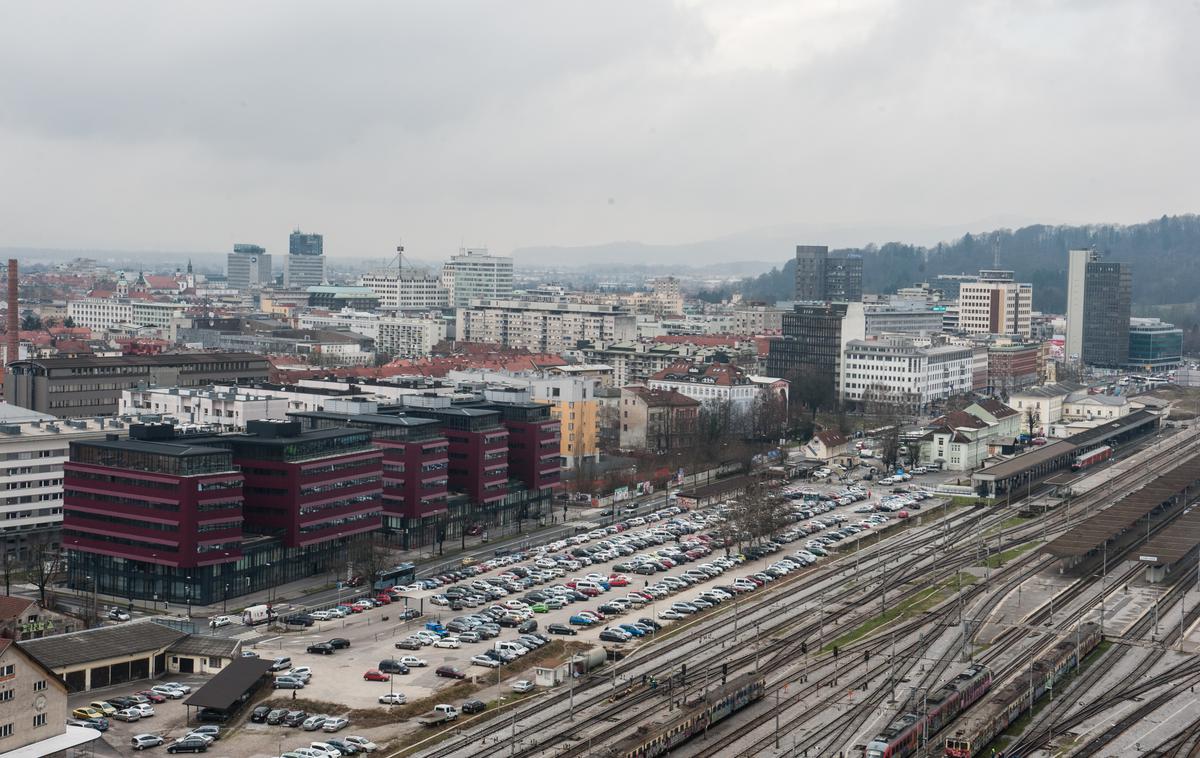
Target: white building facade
x,y
546,326
225,410
897,372
996,304
476,274
405,292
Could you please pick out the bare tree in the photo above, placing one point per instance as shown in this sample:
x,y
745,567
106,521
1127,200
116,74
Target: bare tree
x,y
1033,418
44,564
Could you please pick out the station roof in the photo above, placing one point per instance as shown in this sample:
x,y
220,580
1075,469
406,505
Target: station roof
x,y
1125,513
1019,464
1098,435
225,689
129,640
1171,545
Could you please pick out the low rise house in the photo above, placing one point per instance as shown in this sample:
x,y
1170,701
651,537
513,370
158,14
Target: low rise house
x,y
24,619
963,440
653,419
828,447
33,707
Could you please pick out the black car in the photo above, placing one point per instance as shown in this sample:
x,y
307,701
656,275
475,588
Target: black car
x,y
189,745
295,718
409,644
561,629
391,666
259,714
323,648
276,716
300,619
608,635
525,627
473,706
338,643
650,623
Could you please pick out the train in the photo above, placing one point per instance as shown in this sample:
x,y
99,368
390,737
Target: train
x,y
660,736
905,735
1092,457
980,727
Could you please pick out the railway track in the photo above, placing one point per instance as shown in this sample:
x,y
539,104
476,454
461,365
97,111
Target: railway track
x,y
785,636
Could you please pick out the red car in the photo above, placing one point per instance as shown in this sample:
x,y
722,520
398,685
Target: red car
x,y
384,598
618,581
153,697
375,675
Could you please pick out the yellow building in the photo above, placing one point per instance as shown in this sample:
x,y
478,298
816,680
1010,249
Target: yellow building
x,y
573,402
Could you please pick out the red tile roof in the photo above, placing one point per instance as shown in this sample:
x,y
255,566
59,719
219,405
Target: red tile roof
x,y
12,607
721,374
830,438
663,398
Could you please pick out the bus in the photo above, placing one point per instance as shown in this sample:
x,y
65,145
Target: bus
x,y
403,573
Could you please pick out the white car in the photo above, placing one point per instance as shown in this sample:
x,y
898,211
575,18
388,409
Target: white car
x,y
168,692
303,673
393,698
321,615
522,685
413,661
145,710
362,743
217,621
450,642
485,661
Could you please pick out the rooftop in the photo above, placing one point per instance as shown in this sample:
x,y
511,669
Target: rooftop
x,y
102,642
169,359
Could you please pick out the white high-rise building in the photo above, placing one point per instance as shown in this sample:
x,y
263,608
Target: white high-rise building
x,y
546,326
405,291
1077,261
996,304
476,274
895,371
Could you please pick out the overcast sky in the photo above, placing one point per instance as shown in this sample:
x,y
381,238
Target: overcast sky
x,y
189,126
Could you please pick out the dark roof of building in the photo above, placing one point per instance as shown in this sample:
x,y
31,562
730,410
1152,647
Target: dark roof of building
x,y
168,359
663,398
102,642
1170,546
225,689
178,449
721,374
1125,513
1018,464
960,420
367,418
206,645
1098,435
995,407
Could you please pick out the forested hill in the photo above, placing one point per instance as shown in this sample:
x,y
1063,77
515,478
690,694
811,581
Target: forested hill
x,y
1163,255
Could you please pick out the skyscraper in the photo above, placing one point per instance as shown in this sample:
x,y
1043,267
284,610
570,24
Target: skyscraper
x,y
822,278
1098,303
248,267
305,264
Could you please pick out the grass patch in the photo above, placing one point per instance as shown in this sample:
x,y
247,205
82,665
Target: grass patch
x,y
999,559
926,600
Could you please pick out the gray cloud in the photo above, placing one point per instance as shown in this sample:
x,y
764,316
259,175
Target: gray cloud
x,y
187,126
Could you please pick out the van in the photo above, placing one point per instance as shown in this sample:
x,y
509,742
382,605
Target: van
x,y
279,664
507,646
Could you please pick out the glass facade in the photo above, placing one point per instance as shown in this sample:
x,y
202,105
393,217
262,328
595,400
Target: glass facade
x,y
1154,345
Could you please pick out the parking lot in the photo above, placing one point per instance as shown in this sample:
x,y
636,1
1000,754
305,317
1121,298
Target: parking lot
x,y
591,584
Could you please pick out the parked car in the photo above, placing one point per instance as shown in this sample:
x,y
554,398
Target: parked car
x,y
209,730
393,698
561,629
473,706
321,648
127,714
295,718
313,723
338,643
450,672
375,675
522,685
276,716
288,683
188,745
143,741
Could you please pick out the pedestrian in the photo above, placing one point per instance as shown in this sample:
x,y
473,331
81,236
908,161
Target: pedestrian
x,y
293,694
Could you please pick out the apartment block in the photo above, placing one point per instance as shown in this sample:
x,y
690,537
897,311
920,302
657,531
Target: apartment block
x,y
543,326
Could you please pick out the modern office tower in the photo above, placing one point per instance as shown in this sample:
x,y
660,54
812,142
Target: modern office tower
x,y
248,267
476,274
814,339
821,277
996,304
1098,303
305,264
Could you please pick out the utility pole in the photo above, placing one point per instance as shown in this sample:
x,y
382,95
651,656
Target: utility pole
x,y
777,719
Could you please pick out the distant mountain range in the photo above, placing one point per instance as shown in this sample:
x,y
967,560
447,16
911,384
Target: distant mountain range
x,y
747,248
